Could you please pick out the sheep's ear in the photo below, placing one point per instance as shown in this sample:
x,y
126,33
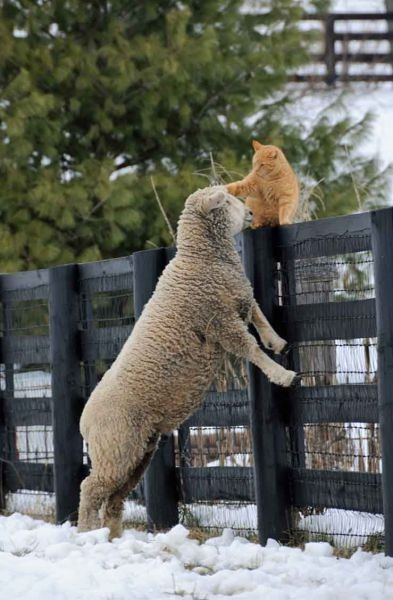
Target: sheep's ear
x,y
214,200
256,145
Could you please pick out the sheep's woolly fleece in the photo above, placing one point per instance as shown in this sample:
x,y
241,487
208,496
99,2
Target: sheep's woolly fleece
x,y
199,312
40,561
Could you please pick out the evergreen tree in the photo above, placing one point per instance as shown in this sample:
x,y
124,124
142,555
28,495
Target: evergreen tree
x,y
98,96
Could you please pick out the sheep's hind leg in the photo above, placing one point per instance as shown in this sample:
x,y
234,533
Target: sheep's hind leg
x,y
93,493
112,511
269,338
235,338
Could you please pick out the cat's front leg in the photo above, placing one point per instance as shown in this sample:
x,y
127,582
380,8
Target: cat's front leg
x,y
242,187
286,211
233,188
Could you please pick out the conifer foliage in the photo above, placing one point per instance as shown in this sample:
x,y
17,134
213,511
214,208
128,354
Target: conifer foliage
x,y
97,96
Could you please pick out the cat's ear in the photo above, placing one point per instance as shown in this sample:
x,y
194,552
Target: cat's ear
x,y
215,200
256,145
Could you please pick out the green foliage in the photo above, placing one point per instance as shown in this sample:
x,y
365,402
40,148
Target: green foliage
x,y
97,96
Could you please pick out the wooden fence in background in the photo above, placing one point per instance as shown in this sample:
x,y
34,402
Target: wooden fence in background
x,y
334,63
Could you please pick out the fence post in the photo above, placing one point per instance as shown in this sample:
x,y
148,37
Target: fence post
x,y
296,434
66,389
7,436
3,489
268,433
160,483
381,232
330,57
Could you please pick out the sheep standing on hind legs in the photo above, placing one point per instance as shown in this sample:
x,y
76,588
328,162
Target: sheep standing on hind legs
x,y
199,311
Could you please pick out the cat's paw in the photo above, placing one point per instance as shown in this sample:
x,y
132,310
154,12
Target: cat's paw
x,y
232,188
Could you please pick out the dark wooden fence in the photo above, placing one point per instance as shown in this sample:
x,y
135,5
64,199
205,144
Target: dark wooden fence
x,y
334,63
77,348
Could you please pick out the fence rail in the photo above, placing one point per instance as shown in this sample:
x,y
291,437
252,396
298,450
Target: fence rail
x,y
63,326
334,64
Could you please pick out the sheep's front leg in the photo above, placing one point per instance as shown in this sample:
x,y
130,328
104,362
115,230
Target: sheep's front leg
x,y
235,338
269,338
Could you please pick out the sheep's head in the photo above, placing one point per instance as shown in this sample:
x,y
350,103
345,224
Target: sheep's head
x,y
214,204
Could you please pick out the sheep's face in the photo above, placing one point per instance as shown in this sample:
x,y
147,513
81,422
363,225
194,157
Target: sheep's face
x,y
240,216
221,206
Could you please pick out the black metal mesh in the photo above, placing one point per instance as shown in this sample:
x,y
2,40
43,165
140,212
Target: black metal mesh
x,y
327,279
25,380
338,361
107,317
214,453
215,447
340,446
330,445
218,438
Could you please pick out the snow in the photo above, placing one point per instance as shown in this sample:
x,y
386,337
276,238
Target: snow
x,y
343,528
42,561
358,99
358,6
318,549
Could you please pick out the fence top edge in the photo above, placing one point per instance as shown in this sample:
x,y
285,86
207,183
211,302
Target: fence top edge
x,y
110,267
347,16
335,392
23,280
290,239
286,236
346,477
28,280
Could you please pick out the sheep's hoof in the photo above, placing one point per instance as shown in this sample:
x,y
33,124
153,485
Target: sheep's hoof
x,y
296,381
287,349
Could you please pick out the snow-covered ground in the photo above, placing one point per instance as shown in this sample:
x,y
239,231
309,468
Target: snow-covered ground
x,y
40,561
343,528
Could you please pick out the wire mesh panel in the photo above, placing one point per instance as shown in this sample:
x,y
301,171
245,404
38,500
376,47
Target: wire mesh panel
x,y
215,459
25,383
214,454
327,304
326,431
106,320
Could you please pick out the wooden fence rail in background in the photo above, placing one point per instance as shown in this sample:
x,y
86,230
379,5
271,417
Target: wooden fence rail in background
x,y
334,64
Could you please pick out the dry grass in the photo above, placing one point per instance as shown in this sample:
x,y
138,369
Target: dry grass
x,y
311,199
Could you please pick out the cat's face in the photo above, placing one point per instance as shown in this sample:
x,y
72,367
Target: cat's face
x,y
266,159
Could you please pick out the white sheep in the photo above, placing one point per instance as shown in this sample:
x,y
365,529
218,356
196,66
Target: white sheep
x,y
199,311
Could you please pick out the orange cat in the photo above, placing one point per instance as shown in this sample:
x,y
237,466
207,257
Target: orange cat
x,y
272,188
